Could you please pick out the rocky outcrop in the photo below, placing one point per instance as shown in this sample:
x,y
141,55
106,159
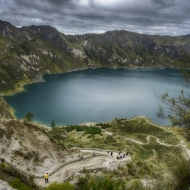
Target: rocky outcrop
x,y
28,148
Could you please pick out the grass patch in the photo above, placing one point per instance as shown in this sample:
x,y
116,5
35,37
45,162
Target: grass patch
x,y
17,183
104,125
87,130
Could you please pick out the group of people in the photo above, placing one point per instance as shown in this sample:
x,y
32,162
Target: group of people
x,y
119,155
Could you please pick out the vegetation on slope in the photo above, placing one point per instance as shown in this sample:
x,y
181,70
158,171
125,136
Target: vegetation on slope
x,y
30,52
27,53
149,158
149,162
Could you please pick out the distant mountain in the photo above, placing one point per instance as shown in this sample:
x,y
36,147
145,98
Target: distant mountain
x,y
27,53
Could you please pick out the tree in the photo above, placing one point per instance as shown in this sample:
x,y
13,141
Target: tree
x,y
177,109
52,125
29,116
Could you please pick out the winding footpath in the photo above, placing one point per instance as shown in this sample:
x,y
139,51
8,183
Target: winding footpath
x,y
101,160
92,159
182,144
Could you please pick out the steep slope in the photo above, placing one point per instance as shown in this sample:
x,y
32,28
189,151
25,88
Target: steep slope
x,y
29,148
27,53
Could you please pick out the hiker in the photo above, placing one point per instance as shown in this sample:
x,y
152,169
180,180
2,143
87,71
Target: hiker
x,y
46,177
111,153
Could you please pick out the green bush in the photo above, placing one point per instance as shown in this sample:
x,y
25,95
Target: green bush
x,y
16,183
89,136
87,130
60,186
4,166
99,183
129,165
93,130
104,125
73,127
110,139
135,185
29,116
181,173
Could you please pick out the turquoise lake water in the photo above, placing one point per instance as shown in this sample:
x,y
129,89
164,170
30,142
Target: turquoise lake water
x,y
97,95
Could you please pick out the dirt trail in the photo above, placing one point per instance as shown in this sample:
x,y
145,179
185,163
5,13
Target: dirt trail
x,y
107,132
182,144
101,160
41,154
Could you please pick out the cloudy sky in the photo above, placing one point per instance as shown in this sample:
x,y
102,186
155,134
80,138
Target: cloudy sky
x,y
163,17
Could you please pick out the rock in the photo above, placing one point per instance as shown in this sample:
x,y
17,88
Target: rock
x,y
5,186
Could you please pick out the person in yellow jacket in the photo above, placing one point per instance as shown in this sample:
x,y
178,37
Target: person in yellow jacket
x,y
46,177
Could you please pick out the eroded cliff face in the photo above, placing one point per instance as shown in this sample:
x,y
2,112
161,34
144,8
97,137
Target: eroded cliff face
x,y
27,147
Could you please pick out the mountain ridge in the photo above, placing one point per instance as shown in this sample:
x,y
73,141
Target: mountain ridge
x,y
31,149
29,52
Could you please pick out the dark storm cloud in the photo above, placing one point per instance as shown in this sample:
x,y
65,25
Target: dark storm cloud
x,y
164,3
164,17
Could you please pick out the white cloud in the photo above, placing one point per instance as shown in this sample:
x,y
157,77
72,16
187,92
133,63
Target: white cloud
x,y
31,21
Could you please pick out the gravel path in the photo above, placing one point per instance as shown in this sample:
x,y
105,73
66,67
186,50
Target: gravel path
x,y
101,160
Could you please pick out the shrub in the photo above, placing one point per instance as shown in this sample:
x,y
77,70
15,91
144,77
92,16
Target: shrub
x,y
93,130
135,185
89,136
88,130
4,166
110,139
60,186
104,125
16,183
129,165
181,173
29,116
99,183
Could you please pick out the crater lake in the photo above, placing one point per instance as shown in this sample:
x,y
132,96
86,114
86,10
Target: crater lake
x,y
97,95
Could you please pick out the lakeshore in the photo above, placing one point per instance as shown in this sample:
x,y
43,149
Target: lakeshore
x,y
96,95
